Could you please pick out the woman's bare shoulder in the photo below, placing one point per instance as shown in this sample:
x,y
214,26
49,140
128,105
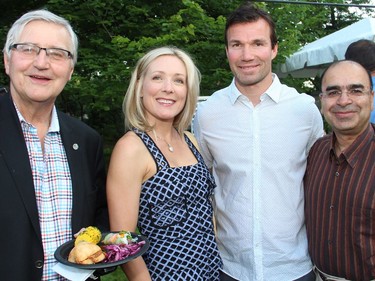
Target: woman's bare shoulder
x,y
129,143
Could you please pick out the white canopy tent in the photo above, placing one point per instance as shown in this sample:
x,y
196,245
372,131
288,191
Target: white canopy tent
x,y
314,57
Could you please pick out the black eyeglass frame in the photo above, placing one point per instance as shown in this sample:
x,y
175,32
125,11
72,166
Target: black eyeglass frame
x,y
14,46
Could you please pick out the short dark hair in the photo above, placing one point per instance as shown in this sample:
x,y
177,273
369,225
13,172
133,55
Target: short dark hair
x,y
248,12
363,52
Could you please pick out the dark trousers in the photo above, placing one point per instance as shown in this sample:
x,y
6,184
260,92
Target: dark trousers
x,y
226,277
308,277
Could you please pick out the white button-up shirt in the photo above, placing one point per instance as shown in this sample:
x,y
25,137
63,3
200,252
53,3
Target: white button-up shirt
x,y
258,157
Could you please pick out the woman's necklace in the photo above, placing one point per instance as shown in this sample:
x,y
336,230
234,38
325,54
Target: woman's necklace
x,y
170,147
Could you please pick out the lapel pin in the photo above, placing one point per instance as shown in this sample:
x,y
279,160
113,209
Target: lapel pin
x,y
75,146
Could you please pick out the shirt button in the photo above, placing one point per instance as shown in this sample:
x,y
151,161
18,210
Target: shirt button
x,y
38,264
337,174
331,207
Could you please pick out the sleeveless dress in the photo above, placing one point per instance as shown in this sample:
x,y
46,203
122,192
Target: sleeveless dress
x,y
175,213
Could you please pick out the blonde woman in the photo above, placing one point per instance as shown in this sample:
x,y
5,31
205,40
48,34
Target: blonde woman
x,y
157,180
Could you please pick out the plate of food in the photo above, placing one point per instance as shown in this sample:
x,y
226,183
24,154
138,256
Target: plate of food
x,y
94,250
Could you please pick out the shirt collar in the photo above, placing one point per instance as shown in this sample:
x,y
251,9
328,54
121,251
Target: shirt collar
x,y
53,127
234,93
273,91
360,144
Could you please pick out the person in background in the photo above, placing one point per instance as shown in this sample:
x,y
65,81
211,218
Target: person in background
x,y
255,135
340,179
157,180
52,172
363,52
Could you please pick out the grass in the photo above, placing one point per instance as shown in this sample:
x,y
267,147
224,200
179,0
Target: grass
x,y
117,275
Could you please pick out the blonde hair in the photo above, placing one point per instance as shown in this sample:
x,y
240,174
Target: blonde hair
x,y
133,108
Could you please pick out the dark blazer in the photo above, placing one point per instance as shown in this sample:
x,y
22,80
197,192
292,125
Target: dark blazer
x,y
21,247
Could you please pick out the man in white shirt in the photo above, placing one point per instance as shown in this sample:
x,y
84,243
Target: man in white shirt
x,y
255,136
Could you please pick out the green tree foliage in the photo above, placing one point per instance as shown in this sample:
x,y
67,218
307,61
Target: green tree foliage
x,y
114,34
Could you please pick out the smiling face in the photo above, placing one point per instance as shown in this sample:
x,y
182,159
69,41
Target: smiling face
x,y
347,114
39,80
164,89
250,53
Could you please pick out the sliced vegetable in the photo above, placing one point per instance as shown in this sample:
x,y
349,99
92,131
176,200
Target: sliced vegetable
x,y
116,252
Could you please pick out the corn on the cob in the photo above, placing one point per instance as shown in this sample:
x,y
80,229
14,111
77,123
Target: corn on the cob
x,y
91,234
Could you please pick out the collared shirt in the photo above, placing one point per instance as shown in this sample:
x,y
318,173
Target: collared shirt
x,y
53,189
258,158
340,207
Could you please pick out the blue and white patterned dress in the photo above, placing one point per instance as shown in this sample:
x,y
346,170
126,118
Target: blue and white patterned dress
x,y
175,213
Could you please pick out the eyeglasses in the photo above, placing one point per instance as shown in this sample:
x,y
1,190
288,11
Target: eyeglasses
x,y
30,51
352,93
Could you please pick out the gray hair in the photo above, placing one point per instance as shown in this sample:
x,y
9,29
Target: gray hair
x,y
15,31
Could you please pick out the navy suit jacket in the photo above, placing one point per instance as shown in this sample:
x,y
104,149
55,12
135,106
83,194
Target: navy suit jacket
x,y
21,246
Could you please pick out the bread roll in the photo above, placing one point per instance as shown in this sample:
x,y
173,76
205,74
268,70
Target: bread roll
x,y
86,253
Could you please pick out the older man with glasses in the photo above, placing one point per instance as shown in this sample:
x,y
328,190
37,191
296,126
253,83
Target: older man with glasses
x,y
52,172
340,181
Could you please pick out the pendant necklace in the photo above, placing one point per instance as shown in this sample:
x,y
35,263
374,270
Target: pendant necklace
x,y
170,147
